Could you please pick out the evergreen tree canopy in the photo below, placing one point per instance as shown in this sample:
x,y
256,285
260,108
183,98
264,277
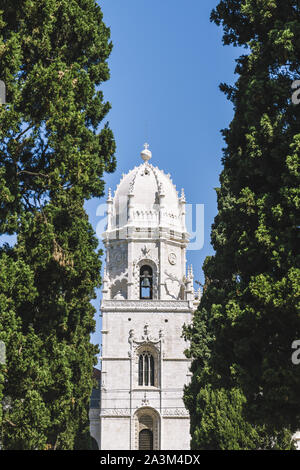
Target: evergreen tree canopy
x,y
244,392
54,150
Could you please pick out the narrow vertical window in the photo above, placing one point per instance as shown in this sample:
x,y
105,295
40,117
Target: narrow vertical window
x,y
146,358
141,369
152,371
146,370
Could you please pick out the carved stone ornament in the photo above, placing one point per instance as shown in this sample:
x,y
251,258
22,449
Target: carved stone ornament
x,y
115,412
145,338
146,251
131,336
175,412
145,401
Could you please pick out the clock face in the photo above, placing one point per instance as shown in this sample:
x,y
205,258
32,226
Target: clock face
x,y
172,258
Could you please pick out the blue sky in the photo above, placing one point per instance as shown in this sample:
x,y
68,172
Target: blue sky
x,y
166,66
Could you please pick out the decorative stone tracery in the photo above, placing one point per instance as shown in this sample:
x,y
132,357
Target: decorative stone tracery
x,y
146,343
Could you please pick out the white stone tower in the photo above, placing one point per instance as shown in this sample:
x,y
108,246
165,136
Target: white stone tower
x,y
147,298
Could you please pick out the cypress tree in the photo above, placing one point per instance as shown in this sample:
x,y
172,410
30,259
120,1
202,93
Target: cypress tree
x,y
54,149
244,392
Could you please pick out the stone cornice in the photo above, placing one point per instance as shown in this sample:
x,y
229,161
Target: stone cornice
x,y
126,412
180,306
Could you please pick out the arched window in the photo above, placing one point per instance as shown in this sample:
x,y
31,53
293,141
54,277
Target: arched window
x,y
146,282
146,369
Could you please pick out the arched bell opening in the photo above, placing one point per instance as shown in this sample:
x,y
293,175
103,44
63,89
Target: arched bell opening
x,y
146,282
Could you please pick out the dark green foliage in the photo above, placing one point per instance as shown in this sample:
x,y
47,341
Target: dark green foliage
x,y
245,389
53,155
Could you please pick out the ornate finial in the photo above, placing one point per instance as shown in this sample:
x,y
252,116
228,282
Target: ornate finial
x,y
161,189
109,197
146,251
146,154
131,336
182,195
145,401
198,294
131,187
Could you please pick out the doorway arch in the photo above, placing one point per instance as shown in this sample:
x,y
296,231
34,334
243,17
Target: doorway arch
x,y
147,429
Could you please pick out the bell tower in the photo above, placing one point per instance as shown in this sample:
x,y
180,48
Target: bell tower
x,y
147,297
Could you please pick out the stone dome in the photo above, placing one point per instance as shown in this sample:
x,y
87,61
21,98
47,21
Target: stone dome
x,y
145,196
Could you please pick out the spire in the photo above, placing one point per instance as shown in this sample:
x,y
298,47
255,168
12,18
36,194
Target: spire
x,y
182,197
109,202
109,196
146,154
191,271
